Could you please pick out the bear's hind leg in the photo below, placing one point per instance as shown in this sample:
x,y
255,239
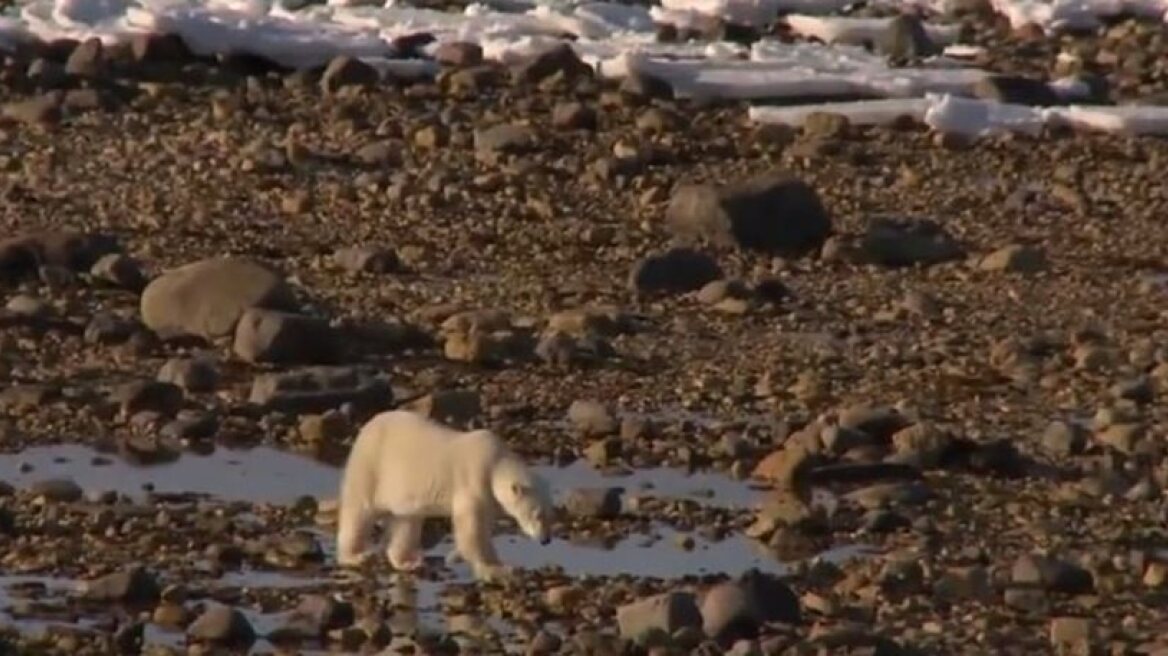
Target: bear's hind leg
x,y
405,543
354,528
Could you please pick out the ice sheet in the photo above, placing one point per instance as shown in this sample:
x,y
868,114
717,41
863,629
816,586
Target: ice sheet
x,y
862,112
855,31
971,117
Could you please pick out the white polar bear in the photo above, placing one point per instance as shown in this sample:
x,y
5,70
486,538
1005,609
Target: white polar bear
x,y
409,467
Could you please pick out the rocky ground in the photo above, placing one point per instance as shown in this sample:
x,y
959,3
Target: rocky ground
x,y
963,343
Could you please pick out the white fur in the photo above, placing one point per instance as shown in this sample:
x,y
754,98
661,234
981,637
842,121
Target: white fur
x,y
407,467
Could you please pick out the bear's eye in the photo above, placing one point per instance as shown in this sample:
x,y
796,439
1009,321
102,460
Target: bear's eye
x,y
518,489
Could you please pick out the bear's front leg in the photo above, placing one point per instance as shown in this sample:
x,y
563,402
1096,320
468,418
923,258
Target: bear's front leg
x,y
354,526
405,543
472,539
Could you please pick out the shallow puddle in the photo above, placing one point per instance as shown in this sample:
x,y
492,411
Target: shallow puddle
x,y
264,474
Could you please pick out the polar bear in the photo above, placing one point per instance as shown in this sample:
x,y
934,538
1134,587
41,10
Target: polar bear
x,y
406,467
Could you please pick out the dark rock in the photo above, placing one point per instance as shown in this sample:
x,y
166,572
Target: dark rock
x,y
200,426
410,46
657,617
106,328
367,259
906,40
222,625
641,85
155,48
861,473
119,270
135,585
772,599
677,270
774,213
345,71
207,298
881,422
574,116
895,243
560,60
728,613
60,490
25,255
283,338
148,396
459,54
594,503
190,374
1016,90
455,407
320,389
1052,575
317,614
87,59
46,74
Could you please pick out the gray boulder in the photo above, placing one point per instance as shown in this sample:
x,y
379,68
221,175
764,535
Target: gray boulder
x,y
207,298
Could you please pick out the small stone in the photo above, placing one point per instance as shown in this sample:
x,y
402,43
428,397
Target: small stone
x,y
379,154
222,625
148,396
459,54
775,213
1016,90
367,259
281,337
1064,439
574,116
906,39
505,138
1071,633
191,374
59,490
455,407
87,59
786,468
658,617
594,503
120,270
1016,259
330,427
31,307
42,110
602,453
130,586
1124,438
677,270
345,71
1052,575
591,418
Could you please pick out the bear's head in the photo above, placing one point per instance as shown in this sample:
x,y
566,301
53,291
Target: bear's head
x,y
526,497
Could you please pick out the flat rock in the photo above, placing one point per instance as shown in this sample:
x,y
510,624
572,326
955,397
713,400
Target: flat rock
x,y
898,243
594,503
319,389
191,374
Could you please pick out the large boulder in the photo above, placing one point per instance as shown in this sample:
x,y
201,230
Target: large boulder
x,y
774,213
657,617
208,297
